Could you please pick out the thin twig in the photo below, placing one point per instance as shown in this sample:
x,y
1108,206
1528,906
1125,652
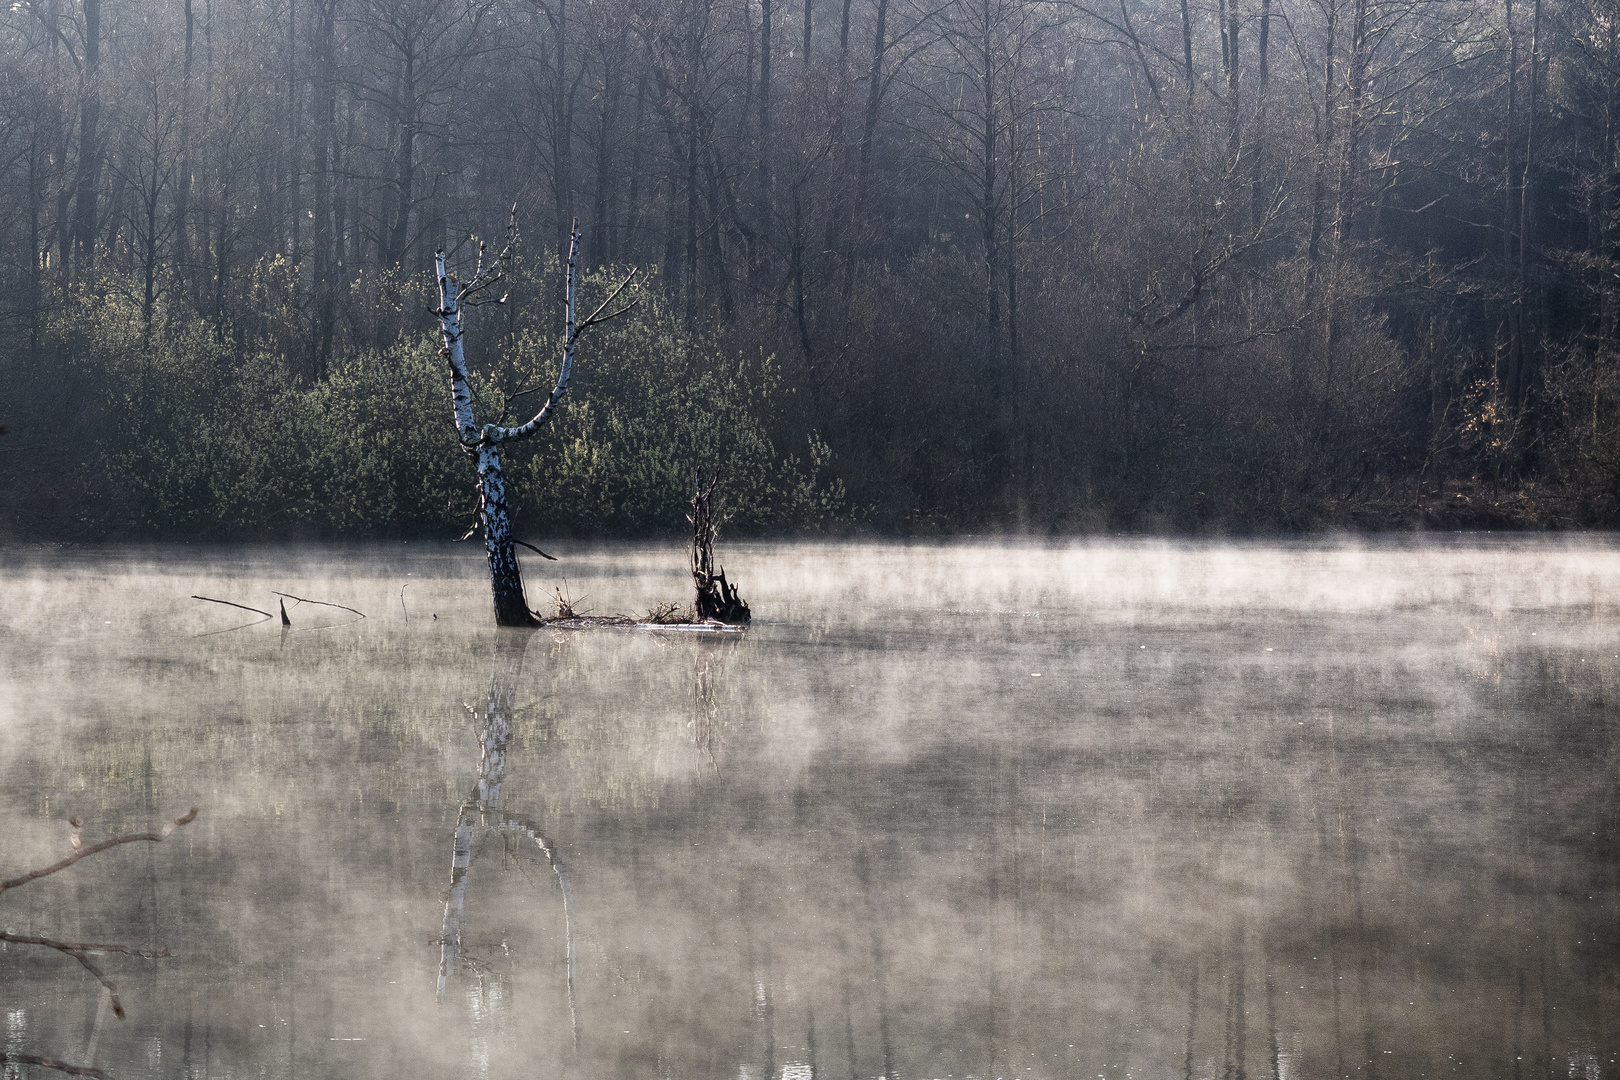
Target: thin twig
x,y
230,603
323,603
597,316
534,549
85,947
51,1063
233,629
101,977
85,853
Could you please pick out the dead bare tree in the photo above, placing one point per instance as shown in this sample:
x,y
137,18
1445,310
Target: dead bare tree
x,y
83,950
483,442
717,599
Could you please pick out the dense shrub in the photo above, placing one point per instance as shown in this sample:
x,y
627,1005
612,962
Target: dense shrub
x,y
202,435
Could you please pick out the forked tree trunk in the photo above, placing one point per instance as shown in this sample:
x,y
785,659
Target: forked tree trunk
x,y
483,442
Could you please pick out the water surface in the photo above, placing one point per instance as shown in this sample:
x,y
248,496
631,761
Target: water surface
x,y
977,810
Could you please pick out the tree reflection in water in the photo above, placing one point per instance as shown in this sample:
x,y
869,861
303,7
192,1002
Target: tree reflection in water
x,y
481,812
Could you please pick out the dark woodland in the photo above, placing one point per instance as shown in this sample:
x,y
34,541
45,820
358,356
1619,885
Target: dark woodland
x,y
911,266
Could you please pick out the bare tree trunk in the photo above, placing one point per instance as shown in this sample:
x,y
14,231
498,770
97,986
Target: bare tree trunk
x,y
1519,385
36,284
399,229
1508,373
988,209
1257,194
1324,147
483,442
863,156
205,208
494,512
1606,196
151,193
713,171
796,274
89,170
562,127
1187,54
631,243
325,90
294,205
606,179
182,192
764,111
1356,85
692,194
764,212
1229,56
222,258
717,599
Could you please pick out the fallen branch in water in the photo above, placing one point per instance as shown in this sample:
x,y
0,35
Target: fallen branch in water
x,y
668,612
80,950
580,622
323,603
51,1063
85,853
232,603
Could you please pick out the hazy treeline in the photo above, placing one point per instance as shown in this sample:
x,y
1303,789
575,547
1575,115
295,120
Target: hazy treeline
x,y
916,264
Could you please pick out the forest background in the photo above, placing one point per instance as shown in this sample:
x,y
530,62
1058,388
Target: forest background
x,y
912,265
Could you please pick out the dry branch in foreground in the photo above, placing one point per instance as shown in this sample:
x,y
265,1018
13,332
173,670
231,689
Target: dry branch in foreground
x,y
82,950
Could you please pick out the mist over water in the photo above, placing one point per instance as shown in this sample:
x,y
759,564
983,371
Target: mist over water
x,y
979,810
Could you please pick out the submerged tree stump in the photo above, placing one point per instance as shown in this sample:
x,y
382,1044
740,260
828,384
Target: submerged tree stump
x,y
717,599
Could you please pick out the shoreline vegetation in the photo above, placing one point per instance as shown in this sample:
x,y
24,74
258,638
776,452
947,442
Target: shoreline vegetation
x,y
169,433
907,268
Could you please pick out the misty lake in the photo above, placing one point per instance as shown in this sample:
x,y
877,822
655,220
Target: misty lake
x,y
1111,809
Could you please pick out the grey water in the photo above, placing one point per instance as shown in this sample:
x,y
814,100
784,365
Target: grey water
x,y
1110,809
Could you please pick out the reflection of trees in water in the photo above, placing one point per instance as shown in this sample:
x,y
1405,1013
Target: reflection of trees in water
x,y
482,821
1230,911
709,661
481,817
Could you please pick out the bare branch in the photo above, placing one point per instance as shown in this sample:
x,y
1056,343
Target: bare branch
x,y
80,950
85,947
483,279
229,603
572,328
85,853
101,977
52,1063
597,316
534,549
322,603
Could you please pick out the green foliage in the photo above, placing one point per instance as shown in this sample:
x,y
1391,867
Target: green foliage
x,y
651,404
204,436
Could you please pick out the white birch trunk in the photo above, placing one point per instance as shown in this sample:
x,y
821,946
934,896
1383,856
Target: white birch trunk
x,y
483,443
